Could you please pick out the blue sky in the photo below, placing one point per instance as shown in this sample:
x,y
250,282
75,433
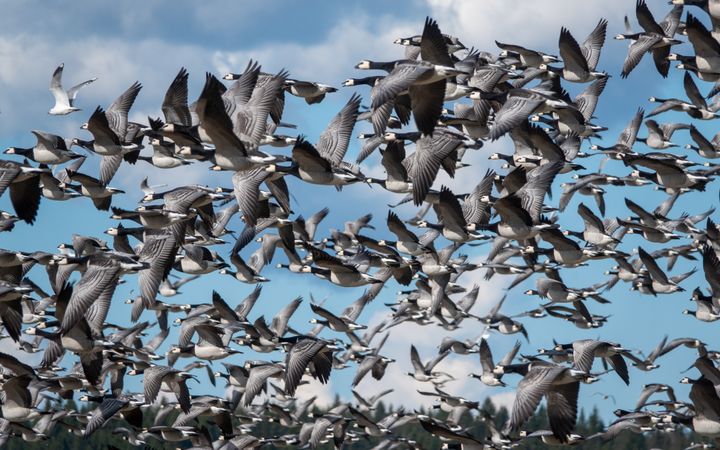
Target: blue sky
x,y
322,41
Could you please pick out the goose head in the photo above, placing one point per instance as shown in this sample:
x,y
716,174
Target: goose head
x,y
364,64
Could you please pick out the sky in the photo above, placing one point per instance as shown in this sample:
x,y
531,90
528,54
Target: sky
x,y
321,41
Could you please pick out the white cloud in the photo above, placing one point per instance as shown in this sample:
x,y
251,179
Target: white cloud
x,y
533,24
406,388
490,291
324,393
427,339
505,399
330,60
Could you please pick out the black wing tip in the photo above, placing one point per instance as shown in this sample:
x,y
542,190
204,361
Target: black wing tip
x,y
211,82
444,190
355,98
302,142
430,22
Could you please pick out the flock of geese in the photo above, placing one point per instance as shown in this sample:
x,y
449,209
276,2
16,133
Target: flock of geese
x,y
457,98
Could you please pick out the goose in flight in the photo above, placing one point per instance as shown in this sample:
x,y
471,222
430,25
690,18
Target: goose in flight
x,y
424,80
49,149
580,62
560,385
23,182
656,38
